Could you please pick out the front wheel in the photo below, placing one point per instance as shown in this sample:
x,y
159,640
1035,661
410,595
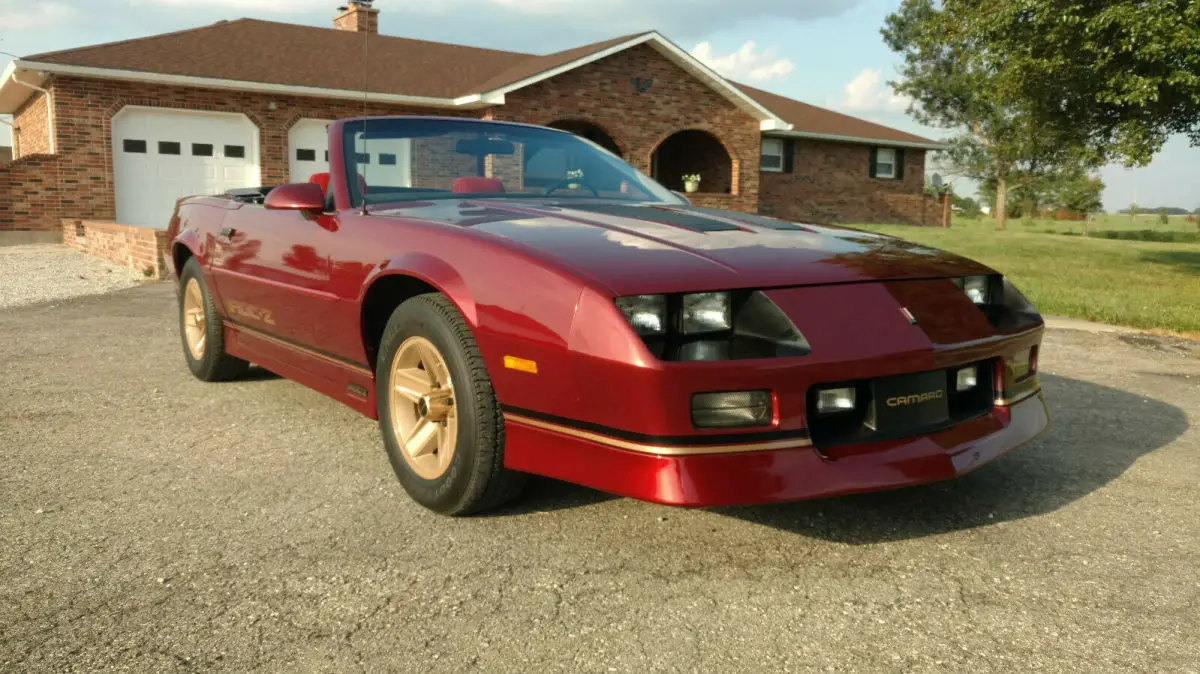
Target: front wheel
x,y
441,424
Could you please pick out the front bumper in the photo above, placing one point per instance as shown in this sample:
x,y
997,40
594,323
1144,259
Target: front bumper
x,y
770,475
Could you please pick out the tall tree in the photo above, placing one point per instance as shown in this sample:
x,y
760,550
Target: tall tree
x,y
951,82
1036,85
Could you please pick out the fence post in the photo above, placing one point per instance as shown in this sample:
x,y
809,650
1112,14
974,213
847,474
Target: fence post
x,y
947,211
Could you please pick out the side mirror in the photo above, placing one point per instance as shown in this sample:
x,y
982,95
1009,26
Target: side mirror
x,y
296,197
683,196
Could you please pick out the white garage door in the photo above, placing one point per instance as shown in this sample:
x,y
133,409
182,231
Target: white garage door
x,y
308,149
161,155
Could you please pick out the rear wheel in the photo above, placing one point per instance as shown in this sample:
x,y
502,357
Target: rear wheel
x,y
438,414
203,331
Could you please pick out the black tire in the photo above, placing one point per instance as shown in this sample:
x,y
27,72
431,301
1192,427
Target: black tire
x,y
214,364
476,479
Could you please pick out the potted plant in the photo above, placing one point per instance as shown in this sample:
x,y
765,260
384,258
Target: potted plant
x,y
691,183
574,174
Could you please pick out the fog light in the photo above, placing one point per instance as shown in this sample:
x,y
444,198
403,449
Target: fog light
x,y
733,409
968,378
832,400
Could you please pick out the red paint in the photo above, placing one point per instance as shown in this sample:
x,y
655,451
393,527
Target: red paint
x,y
537,280
775,476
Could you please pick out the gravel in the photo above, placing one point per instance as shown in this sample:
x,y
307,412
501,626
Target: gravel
x,y
46,273
153,523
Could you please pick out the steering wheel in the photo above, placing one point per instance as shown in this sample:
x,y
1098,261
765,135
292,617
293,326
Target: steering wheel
x,y
568,182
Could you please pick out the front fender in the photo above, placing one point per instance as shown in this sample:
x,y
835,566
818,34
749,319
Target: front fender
x,y
434,271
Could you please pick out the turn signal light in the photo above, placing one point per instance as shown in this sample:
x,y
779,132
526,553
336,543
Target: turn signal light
x,y
833,400
967,379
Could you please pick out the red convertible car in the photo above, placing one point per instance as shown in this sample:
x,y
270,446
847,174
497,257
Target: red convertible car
x,y
509,299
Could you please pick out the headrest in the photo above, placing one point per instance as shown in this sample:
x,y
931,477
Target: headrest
x,y
476,185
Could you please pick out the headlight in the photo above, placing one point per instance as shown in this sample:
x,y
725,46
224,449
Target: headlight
x,y
706,312
712,326
978,288
646,313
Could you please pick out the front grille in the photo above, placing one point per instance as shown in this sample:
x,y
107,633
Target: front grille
x,y
870,421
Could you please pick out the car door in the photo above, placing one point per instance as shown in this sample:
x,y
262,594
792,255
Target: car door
x,y
272,271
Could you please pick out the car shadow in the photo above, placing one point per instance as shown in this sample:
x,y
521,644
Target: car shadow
x,y
1097,434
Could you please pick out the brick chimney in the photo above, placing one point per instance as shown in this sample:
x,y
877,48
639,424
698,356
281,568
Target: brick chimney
x,y
358,17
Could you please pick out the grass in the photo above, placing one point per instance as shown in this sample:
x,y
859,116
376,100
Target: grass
x,y
1133,283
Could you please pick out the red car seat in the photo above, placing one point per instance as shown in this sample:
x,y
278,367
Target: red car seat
x,y
322,179
473,184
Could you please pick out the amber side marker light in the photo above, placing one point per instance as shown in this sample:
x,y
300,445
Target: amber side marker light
x,y
520,364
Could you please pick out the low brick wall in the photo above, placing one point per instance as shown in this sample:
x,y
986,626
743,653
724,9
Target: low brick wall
x,y
140,248
29,194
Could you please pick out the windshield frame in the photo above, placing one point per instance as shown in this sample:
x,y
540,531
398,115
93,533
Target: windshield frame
x,y
349,130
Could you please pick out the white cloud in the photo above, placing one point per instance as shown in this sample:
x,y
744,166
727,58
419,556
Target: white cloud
x,y
746,63
868,92
25,15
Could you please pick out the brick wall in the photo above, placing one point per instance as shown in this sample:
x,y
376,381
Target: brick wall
x,y
29,194
31,127
138,248
84,111
831,183
602,94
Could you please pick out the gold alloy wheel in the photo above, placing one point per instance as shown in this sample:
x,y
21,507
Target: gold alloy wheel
x,y
421,399
193,318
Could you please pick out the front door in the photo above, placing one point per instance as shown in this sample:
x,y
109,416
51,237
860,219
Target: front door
x,y
272,272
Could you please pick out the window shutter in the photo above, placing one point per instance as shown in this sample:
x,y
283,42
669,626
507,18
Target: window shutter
x,y
874,157
899,164
789,156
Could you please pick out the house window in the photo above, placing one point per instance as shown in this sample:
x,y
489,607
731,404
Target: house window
x,y
885,163
166,147
202,149
235,151
135,146
386,159
306,155
772,155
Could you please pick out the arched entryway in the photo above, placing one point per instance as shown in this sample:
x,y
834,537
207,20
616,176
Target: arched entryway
x,y
590,131
693,152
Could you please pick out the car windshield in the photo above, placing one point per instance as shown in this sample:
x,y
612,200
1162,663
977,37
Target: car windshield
x,y
400,159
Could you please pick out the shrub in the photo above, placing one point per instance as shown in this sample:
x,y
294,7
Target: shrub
x,y
1150,235
1163,218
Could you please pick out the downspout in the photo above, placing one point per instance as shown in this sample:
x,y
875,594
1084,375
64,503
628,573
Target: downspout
x,y
49,110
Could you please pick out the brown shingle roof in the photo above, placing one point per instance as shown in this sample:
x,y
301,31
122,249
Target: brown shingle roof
x,y
539,64
269,52
281,53
807,118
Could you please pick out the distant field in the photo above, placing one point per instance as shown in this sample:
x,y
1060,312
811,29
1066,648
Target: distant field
x,y
1115,223
1133,283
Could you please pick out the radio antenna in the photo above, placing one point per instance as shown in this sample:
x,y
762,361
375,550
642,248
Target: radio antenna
x,y
366,65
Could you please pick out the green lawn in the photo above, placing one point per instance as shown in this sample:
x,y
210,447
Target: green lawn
x,y
1133,283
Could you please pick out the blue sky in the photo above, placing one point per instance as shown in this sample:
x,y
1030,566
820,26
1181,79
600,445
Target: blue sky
x,y
825,52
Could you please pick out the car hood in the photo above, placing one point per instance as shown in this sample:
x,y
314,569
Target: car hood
x,y
656,248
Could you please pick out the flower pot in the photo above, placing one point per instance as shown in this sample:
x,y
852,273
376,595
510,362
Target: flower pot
x,y
691,186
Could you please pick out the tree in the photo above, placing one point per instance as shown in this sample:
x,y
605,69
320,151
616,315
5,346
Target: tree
x,y
1123,74
1126,73
1002,141
1077,190
1133,210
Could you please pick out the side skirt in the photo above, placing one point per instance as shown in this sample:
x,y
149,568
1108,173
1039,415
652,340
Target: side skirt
x,y
348,383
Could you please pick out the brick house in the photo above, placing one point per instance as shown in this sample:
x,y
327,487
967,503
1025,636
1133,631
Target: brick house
x,y
119,131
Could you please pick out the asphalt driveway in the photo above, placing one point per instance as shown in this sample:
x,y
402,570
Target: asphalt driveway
x,y
150,522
